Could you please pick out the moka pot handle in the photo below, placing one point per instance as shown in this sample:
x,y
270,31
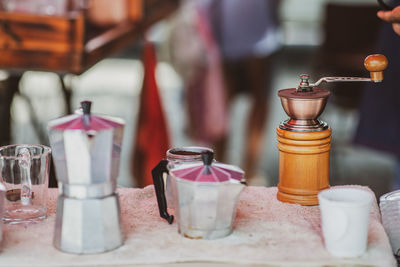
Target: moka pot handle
x,y
158,181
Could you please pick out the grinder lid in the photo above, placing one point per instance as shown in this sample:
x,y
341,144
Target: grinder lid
x,y
304,90
316,93
84,120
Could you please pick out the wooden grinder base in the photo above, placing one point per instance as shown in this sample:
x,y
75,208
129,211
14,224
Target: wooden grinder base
x,y
303,165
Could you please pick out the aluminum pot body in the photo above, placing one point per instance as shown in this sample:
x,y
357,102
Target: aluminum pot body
x,y
88,226
205,210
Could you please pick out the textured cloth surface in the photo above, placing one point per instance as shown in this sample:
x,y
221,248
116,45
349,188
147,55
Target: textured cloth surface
x,y
266,231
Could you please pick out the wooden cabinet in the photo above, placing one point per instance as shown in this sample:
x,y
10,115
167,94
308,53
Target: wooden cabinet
x,y
70,43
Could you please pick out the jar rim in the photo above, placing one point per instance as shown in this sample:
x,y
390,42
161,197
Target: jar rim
x,y
187,153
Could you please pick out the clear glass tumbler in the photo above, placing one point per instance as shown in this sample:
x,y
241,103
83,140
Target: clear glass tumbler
x,y
25,174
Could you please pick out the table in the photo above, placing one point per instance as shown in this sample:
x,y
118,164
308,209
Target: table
x,y
266,232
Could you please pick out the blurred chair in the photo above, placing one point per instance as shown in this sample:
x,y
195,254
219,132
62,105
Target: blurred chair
x,y
350,32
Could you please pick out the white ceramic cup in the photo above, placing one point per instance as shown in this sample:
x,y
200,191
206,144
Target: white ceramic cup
x,y
345,216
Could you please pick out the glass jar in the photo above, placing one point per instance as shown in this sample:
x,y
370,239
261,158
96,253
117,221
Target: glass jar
x,y
179,156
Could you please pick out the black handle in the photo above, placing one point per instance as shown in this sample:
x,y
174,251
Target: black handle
x,y
386,6
207,158
158,181
86,106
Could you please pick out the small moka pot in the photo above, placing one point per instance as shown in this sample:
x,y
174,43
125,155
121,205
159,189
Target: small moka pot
x,y
86,152
205,195
304,140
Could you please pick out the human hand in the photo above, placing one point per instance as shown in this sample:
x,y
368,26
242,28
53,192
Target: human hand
x,y
393,17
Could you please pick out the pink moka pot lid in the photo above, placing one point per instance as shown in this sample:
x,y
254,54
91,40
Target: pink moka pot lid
x,y
86,121
209,171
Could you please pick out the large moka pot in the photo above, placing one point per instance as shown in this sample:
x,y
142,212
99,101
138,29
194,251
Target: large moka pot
x,y
86,152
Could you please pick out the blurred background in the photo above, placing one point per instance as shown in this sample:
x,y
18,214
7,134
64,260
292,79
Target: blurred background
x,y
219,67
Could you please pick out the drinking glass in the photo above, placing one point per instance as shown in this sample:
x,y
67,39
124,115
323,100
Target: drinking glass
x,y
25,174
390,209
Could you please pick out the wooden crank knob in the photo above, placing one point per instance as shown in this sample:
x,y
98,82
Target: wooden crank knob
x,y
375,64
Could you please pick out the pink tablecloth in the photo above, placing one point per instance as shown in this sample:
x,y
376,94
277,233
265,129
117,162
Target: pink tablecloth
x,y
266,232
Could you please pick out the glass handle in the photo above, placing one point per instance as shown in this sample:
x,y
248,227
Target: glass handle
x,y
158,181
24,160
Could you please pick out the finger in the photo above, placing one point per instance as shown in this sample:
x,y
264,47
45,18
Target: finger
x,y
385,15
390,16
396,28
395,16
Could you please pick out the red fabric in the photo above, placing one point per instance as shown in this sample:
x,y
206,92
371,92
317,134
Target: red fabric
x,y
152,135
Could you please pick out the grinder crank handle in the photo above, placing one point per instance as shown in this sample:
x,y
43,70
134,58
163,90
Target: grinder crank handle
x,y
375,64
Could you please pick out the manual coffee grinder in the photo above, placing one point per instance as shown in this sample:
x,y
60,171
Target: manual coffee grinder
x,y
86,151
304,140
